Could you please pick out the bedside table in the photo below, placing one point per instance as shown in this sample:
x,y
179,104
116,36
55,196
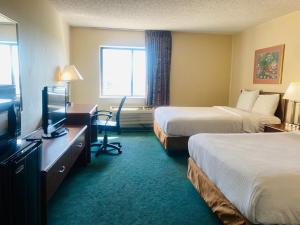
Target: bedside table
x,y
283,127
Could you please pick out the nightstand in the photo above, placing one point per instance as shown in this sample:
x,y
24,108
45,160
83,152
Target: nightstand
x,y
283,127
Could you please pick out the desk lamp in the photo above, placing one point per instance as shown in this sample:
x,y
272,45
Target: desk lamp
x,y
70,73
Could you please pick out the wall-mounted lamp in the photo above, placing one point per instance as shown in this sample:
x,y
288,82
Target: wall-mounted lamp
x,y
70,73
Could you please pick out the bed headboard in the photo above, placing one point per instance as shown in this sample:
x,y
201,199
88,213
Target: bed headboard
x,y
282,105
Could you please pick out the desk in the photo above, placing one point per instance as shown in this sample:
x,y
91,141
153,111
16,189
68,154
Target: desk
x,y
58,157
81,114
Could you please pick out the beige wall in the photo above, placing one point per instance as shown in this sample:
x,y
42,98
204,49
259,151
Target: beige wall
x,y
282,30
200,68
8,33
85,45
201,63
44,45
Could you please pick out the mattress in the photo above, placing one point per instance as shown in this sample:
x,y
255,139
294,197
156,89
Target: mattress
x,y
187,121
258,173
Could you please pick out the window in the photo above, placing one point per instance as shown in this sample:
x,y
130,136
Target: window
x,y
9,69
123,72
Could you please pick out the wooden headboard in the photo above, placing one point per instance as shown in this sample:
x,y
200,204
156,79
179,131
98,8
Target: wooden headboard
x,y
282,105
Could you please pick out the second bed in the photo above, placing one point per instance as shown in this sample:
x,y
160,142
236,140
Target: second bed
x,y
248,178
174,125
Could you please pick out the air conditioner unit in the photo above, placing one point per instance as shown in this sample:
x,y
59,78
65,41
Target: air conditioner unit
x,y
135,117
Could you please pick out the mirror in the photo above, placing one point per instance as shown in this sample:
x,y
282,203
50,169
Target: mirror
x,y
9,59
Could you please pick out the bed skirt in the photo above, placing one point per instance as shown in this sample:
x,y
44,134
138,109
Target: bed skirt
x,y
214,198
170,144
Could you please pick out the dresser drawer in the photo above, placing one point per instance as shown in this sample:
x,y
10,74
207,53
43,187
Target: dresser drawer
x,y
57,173
62,166
77,148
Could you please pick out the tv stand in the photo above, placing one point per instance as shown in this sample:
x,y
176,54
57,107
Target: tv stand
x,y
58,133
59,156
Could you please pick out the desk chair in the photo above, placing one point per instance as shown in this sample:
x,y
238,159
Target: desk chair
x,y
108,125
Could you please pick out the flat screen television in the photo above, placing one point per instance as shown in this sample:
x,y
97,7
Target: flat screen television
x,y
54,111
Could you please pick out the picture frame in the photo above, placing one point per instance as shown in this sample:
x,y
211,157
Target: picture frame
x,y
268,63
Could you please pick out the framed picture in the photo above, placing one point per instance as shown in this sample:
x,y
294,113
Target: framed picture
x,y
268,65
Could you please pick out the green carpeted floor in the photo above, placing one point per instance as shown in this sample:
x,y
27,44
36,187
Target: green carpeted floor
x,y
141,186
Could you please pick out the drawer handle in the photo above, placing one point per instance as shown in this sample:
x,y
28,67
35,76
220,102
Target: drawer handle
x,y
62,169
79,145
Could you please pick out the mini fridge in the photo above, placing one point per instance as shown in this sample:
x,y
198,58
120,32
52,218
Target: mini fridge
x,y
20,163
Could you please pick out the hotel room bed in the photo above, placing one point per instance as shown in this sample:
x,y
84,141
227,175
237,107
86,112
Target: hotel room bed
x,y
248,178
174,125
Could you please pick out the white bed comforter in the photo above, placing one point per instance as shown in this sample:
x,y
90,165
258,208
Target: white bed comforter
x,y
258,173
187,121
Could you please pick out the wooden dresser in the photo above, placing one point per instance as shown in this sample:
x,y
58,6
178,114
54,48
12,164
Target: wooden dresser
x,y
58,157
82,114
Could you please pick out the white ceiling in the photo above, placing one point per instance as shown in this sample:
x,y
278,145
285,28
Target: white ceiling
x,y
220,16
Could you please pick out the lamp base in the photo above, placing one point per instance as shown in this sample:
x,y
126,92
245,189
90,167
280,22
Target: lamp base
x,y
292,126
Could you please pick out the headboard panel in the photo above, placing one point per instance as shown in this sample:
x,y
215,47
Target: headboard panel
x,y
282,105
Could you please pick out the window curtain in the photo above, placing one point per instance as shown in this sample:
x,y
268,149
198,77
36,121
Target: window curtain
x,y
158,51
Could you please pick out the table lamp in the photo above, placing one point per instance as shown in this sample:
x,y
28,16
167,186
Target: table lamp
x,y
293,94
70,73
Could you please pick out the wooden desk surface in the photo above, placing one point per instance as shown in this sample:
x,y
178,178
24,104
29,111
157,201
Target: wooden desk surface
x,y
81,108
54,148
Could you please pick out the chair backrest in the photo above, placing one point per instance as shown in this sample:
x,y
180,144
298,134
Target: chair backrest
x,y
119,111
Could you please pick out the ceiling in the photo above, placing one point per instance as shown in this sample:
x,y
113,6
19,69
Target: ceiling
x,y
218,16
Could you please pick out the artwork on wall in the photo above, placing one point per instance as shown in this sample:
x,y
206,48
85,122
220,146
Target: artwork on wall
x,y
268,65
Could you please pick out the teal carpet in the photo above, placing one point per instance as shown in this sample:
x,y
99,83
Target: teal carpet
x,y
141,186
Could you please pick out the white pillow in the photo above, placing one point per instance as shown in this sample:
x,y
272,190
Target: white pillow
x,y
247,100
266,104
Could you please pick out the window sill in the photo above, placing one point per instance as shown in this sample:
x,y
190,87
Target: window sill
x,y
119,97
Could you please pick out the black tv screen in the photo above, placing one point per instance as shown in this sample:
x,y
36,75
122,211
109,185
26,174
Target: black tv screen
x,y
54,108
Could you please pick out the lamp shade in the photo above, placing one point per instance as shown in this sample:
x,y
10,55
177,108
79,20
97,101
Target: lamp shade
x,y
70,73
293,92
